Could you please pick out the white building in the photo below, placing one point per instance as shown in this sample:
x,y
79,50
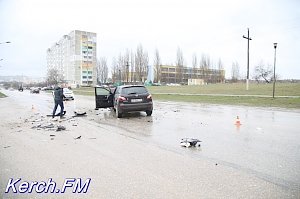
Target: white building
x,y
74,57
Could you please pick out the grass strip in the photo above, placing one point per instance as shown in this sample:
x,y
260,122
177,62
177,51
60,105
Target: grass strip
x,y
2,95
291,103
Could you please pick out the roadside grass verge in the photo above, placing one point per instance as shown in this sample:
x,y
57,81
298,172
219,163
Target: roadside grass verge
x,y
281,89
2,95
201,94
90,91
282,102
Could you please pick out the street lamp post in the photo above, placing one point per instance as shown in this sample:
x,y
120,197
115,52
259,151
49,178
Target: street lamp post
x,y
274,77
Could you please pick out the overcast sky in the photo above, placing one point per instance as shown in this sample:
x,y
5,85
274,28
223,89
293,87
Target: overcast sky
x,y
211,27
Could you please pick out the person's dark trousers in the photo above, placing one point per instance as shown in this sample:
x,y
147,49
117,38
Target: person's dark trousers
x,y
61,104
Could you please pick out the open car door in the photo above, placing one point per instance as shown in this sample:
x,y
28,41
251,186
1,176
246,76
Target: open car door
x,y
103,97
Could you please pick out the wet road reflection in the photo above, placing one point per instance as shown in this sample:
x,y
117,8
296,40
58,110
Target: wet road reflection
x,y
265,144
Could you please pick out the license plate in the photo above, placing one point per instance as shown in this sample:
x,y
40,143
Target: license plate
x,y
136,100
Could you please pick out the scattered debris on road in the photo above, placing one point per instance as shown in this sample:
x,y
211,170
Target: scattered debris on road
x,y
77,138
190,142
44,126
60,128
77,114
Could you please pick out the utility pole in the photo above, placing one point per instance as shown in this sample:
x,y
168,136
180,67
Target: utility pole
x,y
274,78
247,81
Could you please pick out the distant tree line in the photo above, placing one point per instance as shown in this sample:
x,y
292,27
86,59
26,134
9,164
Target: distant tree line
x,y
132,66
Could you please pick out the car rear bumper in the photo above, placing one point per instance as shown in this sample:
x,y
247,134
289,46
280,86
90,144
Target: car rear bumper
x,y
123,108
68,98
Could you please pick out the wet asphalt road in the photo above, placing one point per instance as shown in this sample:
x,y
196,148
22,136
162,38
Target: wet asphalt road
x,y
265,145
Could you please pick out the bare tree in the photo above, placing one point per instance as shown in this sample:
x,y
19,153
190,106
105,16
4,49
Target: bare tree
x,y
235,71
262,72
220,70
120,68
114,71
141,63
102,70
157,66
53,77
195,65
126,65
179,64
220,65
205,65
132,68
98,71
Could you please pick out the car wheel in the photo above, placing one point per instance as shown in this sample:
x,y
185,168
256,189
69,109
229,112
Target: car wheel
x,y
149,113
118,114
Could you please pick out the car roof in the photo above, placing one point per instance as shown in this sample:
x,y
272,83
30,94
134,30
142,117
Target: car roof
x,y
127,86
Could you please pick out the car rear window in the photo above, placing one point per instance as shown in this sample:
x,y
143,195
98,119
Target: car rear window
x,y
134,90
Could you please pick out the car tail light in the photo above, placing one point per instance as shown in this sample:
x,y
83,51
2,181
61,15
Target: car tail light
x,y
149,97
121,99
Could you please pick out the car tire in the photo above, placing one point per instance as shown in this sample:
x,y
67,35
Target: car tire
x,y
118,114
149,113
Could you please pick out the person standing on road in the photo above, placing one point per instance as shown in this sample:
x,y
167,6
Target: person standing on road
x,y
58,100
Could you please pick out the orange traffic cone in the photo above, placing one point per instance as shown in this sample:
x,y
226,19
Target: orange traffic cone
x,y
237,121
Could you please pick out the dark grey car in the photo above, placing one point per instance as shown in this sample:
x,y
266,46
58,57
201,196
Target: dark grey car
x,y
124,99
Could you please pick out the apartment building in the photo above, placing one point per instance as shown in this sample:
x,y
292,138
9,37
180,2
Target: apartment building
x,y
187,75
74,57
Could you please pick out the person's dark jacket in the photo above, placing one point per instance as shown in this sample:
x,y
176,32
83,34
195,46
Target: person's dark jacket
x,y
58,94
